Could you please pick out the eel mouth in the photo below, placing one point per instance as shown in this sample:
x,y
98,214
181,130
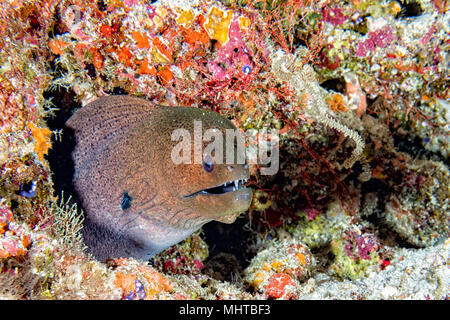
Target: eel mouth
x,y
230,186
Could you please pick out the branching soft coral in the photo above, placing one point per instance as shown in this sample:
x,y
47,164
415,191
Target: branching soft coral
x,y
303,81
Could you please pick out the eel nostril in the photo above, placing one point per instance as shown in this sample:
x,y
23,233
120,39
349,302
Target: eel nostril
x,y
230,168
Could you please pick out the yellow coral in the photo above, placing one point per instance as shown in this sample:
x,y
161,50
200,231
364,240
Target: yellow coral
x,y
244,23
277,264
257,205
301,258
218,24
42,137
259,278
185,18
161,53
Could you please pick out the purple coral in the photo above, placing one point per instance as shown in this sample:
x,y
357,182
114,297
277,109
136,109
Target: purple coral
x,y
379,38
140,289
138,293
334,16
360,246
28,190
246,69
130,296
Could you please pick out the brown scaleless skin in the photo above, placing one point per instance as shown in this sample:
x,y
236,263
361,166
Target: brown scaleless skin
x,y
137,202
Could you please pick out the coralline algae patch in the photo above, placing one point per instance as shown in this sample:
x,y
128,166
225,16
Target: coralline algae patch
x,y
399,280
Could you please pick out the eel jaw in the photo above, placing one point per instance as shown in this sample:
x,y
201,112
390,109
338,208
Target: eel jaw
x,y
230,186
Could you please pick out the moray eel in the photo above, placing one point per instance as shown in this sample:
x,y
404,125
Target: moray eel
x,y
137,202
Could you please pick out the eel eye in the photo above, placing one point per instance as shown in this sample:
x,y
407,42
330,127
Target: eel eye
x,y
126,201
208,164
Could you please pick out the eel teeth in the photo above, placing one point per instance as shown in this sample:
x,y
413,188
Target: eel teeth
x,y
229,186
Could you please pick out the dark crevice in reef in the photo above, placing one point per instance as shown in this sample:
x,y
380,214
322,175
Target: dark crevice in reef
x,y
409,9
117,91
337,85
324,257
59,155
384,232
223,267
414,146
225,240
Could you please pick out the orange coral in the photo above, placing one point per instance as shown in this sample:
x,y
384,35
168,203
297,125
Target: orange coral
x,y
129,275
162,53
166,74
156,281
57,46
336,102
106,30
145,68
124,56
193,37
277,286
125,281
42,137
141,40
301,258
97,58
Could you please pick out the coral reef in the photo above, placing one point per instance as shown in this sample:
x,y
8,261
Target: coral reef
x,y
419,212
357,91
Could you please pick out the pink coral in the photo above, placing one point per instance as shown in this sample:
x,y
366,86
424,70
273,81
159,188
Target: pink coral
x,y
379,38
14,238
311,213
233,58
360,246
183,265
334,16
